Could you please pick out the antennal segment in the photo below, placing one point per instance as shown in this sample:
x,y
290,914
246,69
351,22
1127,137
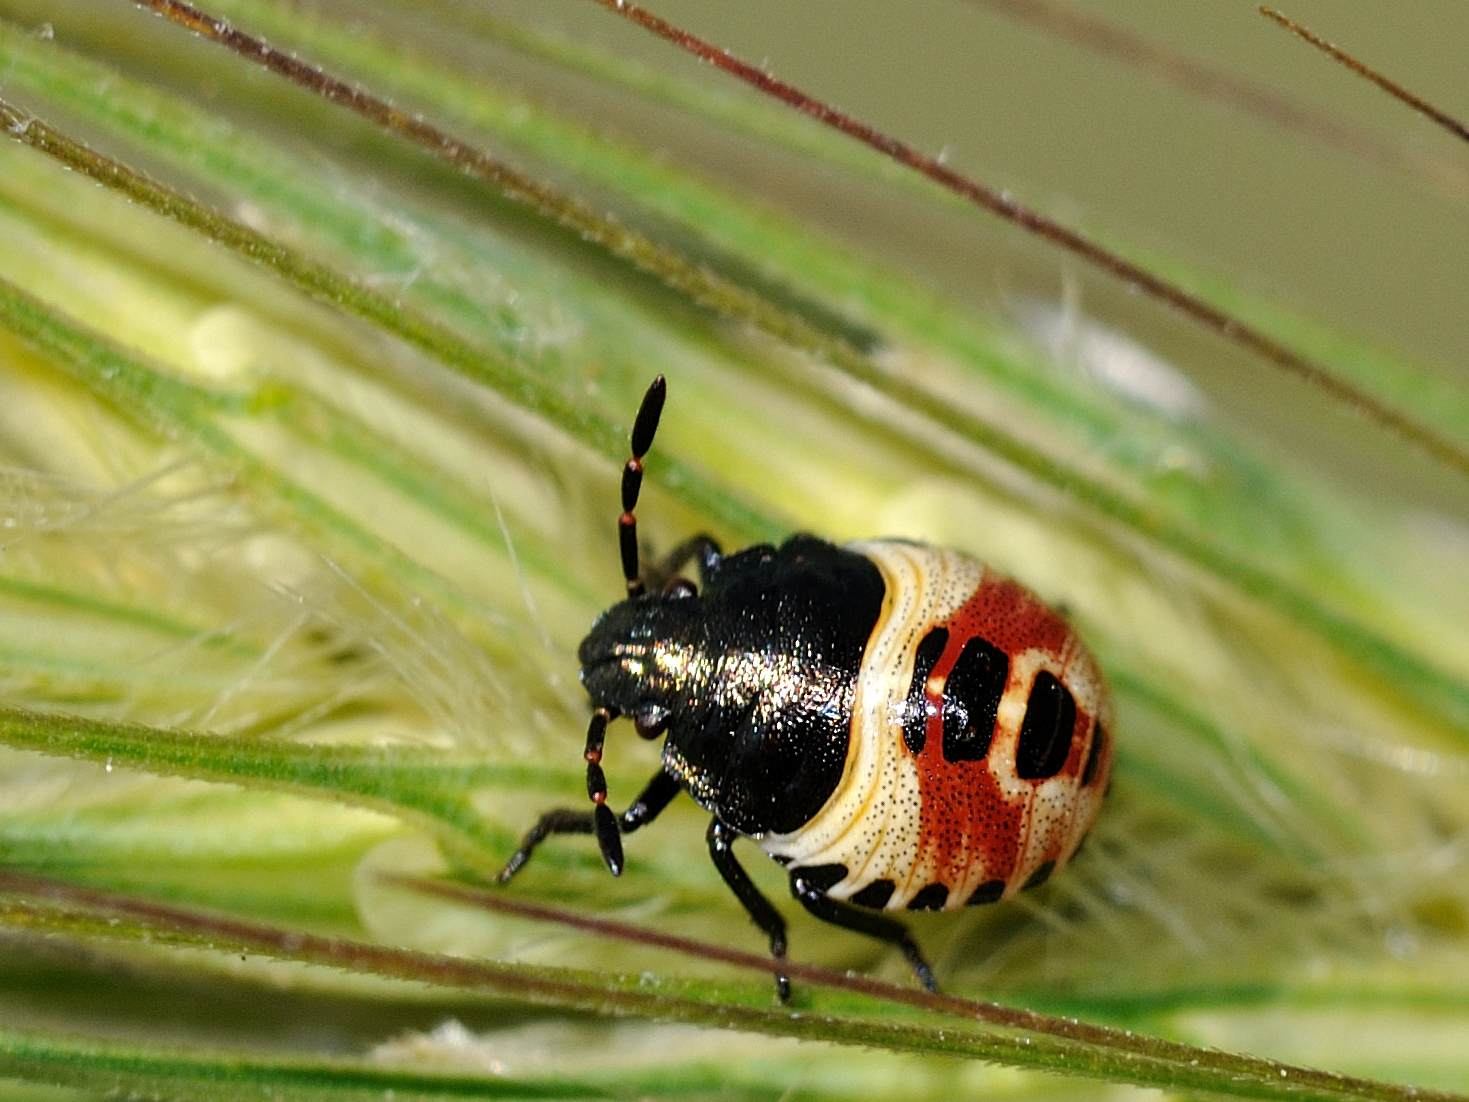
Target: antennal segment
x,y
643,429
609,838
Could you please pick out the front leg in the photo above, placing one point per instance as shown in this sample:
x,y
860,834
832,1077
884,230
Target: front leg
x,y
721,848
654,798
815,900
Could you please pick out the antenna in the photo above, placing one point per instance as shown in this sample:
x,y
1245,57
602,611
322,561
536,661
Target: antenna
x,y
643,429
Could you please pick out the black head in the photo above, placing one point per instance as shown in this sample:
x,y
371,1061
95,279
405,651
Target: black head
x,y
641,659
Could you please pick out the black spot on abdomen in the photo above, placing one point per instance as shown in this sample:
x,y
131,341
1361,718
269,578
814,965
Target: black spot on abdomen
x,y
1045,735
931,898
1041,875
1094,755
915,715
820,877
875,895
972,700
988,892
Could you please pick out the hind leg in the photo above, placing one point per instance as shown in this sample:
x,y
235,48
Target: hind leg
x,y
815,900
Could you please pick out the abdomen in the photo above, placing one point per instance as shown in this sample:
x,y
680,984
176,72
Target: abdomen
x,y
979,745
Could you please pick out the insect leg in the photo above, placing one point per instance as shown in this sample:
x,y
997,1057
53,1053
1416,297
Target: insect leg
x,y
816,901
656,795
721,842
562,820
702,548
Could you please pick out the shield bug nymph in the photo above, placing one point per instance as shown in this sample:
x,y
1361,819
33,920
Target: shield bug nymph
x,y
899,725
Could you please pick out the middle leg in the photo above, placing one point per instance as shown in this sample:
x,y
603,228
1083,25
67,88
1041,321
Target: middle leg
x,y
721,842
654,798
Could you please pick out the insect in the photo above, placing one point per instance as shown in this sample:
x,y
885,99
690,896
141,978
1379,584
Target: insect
x,y
897,724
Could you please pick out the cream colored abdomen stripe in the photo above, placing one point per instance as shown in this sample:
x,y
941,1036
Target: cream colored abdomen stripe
x,y
870,823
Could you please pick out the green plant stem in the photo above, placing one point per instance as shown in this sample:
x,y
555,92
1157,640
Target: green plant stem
x,y
110,1068
41,902
435,793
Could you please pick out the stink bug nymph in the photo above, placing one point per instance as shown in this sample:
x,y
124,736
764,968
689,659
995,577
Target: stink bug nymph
x,y
897,724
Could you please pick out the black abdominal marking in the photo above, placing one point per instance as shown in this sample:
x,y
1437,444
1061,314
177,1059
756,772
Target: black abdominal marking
x,y
972,700
1045,736
915,715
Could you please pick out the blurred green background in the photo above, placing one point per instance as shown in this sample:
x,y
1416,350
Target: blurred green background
x,y
1371,247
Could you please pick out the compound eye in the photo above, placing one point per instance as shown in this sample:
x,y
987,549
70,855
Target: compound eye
x,y
650,720
1045,736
